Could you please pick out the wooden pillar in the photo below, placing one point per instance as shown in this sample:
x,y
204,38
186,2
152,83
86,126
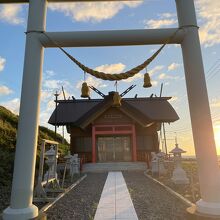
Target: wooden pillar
x,y
134,144
93,145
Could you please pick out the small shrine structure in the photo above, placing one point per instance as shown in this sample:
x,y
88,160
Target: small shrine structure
x,y
101,132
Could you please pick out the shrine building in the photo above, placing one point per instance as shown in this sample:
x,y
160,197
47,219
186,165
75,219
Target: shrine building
x,y
101,132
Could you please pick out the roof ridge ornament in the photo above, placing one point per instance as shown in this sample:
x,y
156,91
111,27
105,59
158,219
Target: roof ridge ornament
x,y
116,100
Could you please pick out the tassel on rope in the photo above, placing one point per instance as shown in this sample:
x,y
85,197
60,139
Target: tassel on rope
x,y
85,91
147,82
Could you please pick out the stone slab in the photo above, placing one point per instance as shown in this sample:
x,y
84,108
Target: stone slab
x,y
115,202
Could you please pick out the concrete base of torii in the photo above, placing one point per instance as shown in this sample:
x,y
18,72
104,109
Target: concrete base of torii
x,y
193,214
21,214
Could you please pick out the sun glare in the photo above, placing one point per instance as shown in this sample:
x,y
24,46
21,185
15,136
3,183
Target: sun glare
x,y
217,137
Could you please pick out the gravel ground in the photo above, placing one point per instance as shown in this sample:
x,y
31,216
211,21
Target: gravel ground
x,y
81,202
189,192
151,201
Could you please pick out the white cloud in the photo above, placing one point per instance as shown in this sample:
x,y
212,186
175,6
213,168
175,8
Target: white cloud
x,y
162,76
173,66
174,99
164,20
50,105
158,23
92,11
49,73
2,63
4,90
215,103
209,15
214,53
12,105
10,13
153,50
135,77
50,86
44,117
155,70
46,95
111,68
167,15
46,112
54,84
154,82
166,76
92,81
107,68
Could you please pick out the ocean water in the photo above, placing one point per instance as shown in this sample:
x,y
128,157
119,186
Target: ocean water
x,y
194,157
189,157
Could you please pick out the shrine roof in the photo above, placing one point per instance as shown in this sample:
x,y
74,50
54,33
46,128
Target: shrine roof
x,y
81,112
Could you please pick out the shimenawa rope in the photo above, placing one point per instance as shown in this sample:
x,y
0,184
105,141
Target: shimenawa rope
x,y
116,76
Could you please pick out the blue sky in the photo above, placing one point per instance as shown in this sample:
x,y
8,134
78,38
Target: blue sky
x,y
167,68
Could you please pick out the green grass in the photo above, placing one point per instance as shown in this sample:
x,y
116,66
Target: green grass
x,y
8,130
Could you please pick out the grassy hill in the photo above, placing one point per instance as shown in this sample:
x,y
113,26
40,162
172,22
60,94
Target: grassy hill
x,y
8,129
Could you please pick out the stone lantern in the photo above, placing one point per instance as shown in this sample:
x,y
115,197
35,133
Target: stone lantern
x,y
67,159
162,170
51,161
157,164
74,165
179,174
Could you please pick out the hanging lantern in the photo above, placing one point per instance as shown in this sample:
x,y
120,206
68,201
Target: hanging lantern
x,y
85,93
147,82
116,100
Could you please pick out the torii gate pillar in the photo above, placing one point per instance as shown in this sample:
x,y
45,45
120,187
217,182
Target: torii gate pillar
x,y
203,135
21,206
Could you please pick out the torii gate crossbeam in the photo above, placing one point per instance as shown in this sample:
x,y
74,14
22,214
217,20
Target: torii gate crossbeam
x,y
27,1
112,38
21,206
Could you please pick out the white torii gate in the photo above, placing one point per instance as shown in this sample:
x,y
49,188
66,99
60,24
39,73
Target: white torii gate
x,y
21,206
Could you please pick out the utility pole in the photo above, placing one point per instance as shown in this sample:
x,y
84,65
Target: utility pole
x,y
56,99
164,136
163,126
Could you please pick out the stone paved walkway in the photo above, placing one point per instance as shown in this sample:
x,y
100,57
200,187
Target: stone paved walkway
x,y
115,202
151,201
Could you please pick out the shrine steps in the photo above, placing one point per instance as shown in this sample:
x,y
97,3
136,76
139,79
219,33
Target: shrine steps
x,y
114,166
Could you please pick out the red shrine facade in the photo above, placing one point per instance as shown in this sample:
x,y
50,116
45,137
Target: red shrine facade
x,y
100,132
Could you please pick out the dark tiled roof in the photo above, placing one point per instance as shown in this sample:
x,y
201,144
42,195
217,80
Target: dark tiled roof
x,y
156,109
69,112
80,111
